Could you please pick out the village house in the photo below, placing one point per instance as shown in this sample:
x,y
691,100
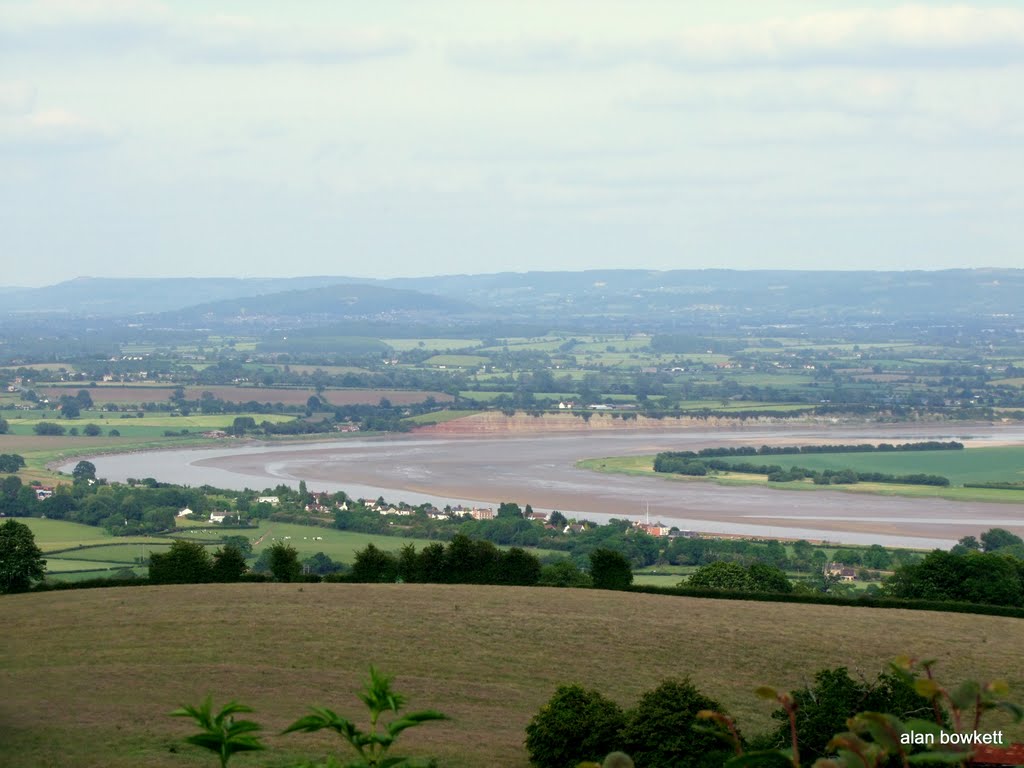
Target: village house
x,y
44,492
271,500
184,512
218,517
844,572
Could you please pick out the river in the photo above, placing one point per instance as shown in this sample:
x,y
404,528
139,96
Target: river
x,y
540,470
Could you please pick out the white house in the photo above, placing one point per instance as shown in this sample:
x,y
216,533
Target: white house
x,y
185,512
218,517
272,500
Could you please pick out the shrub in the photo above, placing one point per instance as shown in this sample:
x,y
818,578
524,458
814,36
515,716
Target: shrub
x,y
185,563
660,732
823,709
575,725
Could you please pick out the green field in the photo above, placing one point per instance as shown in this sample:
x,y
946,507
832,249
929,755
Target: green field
x,y
438,417
971,465
457,361
89,676
405,345
148,426
92,547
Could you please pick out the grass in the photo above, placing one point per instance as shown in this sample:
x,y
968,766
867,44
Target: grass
x,y
971,465
91,675
98,545
338,545
441,345
438,417
457,361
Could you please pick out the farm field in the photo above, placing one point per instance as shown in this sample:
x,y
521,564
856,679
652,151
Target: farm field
x,y
151,425
971,465
283,395
91,675
438,417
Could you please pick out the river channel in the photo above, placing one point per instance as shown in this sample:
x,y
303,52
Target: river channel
x,y
541,470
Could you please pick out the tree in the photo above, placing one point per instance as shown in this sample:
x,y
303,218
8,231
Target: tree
x,y
564,573
373,565
185,563
4,426
48,428
84,470
721,574
518,568
84,399
242,424
557,520
997,538
70,409
575,725
21,561
91,430
509,509
660,734
241,543
610,570
321,564
228,564
11,462
284,562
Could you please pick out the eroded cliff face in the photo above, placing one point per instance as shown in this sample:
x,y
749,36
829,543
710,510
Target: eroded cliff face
x,y
493,423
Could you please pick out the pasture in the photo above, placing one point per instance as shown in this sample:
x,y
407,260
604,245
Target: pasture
x,y
89,676
338,545
84,546
971,465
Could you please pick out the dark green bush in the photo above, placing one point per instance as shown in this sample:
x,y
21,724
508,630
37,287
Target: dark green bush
x,y
575,725
659,732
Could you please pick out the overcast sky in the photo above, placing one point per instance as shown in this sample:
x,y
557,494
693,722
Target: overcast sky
x,y
413,137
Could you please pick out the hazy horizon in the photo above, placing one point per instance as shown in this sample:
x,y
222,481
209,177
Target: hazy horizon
x,y
145,139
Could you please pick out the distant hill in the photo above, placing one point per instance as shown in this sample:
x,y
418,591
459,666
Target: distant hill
x,y
847,295
326,304
593,298
112,296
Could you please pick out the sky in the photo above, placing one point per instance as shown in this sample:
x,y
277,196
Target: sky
x,y
405,138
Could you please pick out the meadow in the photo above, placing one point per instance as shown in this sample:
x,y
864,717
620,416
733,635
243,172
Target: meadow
x,y
70,547
971,465
90,676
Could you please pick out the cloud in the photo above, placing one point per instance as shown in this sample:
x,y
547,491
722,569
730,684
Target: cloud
x,y
901,37
105,27
16,98
238,40
53,129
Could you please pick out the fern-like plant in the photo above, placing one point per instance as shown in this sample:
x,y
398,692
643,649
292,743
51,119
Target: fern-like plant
x,y
221,733
374,744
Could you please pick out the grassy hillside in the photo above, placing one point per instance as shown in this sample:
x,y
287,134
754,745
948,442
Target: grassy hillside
x,y
90,675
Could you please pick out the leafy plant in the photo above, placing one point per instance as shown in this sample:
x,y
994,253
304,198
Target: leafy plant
x,y
875,739
221,732
372,745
